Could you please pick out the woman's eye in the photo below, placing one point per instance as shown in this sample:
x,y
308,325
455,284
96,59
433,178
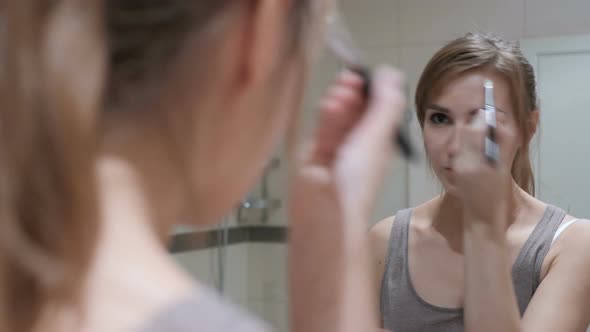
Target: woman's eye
x,y
439,118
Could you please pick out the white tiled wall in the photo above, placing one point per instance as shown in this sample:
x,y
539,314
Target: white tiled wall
x,y
204,266
428,21
267,272
383,21
254,277
547,18
267,277
273,312
201,264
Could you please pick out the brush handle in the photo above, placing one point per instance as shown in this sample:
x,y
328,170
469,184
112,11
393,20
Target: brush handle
x,y
401,139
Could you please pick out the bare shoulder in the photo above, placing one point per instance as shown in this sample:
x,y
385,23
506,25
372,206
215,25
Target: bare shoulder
x,y
574,238
379,242
566,283
572,246
379,236
382,229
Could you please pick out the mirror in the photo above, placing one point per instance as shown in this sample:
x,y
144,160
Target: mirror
x,y
555,38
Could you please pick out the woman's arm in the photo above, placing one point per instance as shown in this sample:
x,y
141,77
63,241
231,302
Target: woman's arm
x,y
331,276
562,301
332,197
490,301
485,190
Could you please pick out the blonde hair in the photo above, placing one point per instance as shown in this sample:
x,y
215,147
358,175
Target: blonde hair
x,y
482,51
61,62
48,208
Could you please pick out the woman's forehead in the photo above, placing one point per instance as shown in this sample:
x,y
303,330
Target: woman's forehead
x,y
466,91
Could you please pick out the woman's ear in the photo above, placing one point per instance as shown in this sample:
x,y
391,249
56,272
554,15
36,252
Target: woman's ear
x,y
532,124
264,39
252,46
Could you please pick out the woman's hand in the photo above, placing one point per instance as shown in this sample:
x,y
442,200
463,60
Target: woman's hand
x,y
347,158
483,187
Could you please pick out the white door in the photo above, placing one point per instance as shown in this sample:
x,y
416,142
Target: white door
x,y
562,146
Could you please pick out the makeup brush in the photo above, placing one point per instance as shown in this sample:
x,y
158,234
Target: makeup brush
x,y
492,150
342,45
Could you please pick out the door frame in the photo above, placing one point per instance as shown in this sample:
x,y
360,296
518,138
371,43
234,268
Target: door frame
x,y
534,49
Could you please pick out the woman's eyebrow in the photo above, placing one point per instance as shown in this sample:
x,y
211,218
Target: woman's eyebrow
x,y
438,108
442,109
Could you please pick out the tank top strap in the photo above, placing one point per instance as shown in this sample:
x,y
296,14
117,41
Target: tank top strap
x,y
526,272
394,271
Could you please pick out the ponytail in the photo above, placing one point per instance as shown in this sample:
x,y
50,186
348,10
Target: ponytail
x,y
51,67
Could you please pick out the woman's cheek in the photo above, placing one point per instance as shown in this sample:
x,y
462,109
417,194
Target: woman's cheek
x,y
509,141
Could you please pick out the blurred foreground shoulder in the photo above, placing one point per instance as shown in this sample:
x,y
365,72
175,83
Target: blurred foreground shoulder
x,y
205,311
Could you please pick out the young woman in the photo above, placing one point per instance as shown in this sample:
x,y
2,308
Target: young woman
x,y
485,255
121,117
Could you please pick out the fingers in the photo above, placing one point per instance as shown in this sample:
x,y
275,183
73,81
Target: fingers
x,y
471,139
350,79
385,109
347,118
364,155
340,111
471,156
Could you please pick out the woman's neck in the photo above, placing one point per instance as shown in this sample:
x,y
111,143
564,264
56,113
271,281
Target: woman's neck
x,y
132,267
135,165
447,214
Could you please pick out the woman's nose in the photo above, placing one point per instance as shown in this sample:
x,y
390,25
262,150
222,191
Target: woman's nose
x,y
453,142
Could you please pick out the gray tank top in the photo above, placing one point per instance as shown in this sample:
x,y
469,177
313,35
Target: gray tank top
x,y
403,310
204,311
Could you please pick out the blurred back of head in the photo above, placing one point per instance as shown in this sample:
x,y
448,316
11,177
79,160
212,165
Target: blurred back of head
x,y
64,66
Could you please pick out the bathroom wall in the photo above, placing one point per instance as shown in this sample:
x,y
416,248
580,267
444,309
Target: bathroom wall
x,y
254,277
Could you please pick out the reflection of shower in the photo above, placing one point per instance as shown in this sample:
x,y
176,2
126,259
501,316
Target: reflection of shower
x,y
261,204
222,243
